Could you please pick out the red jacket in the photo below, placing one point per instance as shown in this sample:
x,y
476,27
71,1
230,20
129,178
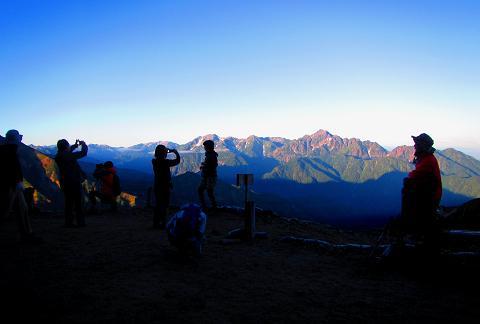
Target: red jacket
x,y
106,177
427,166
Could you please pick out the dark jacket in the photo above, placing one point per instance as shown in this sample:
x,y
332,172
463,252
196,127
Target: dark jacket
x,y
161,169
209,166
10,166
70,172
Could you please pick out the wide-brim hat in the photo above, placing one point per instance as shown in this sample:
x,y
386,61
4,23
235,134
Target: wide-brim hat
x,y
423,139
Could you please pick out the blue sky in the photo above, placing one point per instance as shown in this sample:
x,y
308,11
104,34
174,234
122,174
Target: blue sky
x,y
125,72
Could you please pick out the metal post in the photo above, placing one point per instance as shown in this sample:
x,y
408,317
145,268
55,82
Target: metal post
x,y
250,220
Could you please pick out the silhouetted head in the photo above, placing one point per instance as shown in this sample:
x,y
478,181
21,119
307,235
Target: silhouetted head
x,y
13,137
423,144
108,164
62,145
161,151
209,145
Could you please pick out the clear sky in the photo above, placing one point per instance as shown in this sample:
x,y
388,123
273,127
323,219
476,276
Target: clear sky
x,y
126,72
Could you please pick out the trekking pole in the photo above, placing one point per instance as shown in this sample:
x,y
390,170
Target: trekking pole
x,y
379,239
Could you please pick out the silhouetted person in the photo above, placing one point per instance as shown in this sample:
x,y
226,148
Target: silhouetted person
x,y
71,178
209,174
109,185
163,183
422,192
11,188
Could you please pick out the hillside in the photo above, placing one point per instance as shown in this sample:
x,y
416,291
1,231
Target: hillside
x,y
118,270
41,173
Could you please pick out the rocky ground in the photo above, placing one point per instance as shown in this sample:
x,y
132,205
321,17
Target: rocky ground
x,y
119,270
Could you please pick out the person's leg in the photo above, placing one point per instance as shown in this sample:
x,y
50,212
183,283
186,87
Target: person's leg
x,y
92,198
157,211
164,207
8,202
67,192
78,206
162,202
114,205
201,190
211,183
24,226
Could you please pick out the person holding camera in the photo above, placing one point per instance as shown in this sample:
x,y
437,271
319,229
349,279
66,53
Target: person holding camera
x,y
71,178
163,183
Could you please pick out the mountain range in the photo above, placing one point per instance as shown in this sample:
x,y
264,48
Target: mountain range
x,y
321,176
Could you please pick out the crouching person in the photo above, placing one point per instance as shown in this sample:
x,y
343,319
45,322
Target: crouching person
x,y
109,186
186,229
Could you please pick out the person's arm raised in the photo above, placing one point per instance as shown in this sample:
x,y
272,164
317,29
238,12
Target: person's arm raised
x,y
83,152
177,158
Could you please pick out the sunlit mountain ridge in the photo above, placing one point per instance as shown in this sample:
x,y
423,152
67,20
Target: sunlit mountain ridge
x,y
324,175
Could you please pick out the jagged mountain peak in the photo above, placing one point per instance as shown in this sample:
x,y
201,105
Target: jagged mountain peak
x,y
321,133
403,152
151,145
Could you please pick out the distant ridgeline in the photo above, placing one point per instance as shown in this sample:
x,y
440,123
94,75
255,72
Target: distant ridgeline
x,y
41,173
319,176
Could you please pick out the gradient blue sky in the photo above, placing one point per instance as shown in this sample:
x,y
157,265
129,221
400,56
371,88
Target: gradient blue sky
x,y
125,72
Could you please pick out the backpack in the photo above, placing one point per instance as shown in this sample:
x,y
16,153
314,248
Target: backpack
x,y
116,189
187,223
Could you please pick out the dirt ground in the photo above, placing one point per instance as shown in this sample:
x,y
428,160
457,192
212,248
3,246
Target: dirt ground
x,y
120,270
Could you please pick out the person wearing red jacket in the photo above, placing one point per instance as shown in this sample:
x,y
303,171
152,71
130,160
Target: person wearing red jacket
x,y
422,190
109,187
426,167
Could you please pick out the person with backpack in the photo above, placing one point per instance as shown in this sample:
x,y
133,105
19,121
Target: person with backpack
x,y
186,229
209,175
71,178
109,185
422,192
162,183
11,186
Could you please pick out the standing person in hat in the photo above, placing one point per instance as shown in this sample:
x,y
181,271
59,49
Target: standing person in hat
x,y
163,183
71,178
422,192
11,188
426,170
209,174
